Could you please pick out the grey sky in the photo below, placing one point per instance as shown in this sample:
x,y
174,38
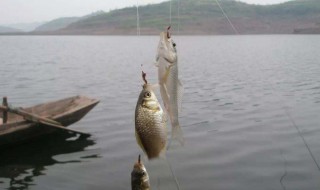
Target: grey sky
x,y
26,11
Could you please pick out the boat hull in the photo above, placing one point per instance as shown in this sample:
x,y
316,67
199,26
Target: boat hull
x,y
19,131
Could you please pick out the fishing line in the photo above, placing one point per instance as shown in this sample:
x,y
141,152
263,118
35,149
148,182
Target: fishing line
x,y
138,19
178,17
174,176
283,106
293,123
234,28
285,171
164,165
170,11
158,184
300,134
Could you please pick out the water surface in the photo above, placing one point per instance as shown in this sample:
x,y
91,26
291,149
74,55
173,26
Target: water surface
x,y
244,97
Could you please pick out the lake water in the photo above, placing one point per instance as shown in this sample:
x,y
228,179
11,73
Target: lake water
x,y
246,100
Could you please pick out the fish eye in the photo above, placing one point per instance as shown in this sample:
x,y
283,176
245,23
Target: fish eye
x,y
174,44
147,94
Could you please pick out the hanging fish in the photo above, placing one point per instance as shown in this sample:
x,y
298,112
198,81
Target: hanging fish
x,y
150,123
139,177
171,88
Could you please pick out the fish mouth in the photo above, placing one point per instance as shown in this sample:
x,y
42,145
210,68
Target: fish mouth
x,y
164,38
166,42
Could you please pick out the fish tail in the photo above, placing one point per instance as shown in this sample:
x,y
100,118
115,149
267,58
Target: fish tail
x,y
177,133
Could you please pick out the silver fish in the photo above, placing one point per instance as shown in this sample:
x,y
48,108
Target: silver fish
x,y
171,88
150,124
139,177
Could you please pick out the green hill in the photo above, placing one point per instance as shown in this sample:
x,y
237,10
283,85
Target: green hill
x,y
204,17
56,24
197,17
60,23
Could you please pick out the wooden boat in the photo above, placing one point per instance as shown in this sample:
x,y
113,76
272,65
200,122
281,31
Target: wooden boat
x,y
66,111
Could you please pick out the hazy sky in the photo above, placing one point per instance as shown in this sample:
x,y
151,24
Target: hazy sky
x,y
25,11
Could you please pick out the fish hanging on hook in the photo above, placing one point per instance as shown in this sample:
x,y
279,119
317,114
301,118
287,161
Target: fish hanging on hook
x,y
171,88
150,123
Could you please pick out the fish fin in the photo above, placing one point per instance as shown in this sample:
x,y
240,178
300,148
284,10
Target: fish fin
x,y
139,142
180,94
165,97
163,154
167,103
165,78
166,74
166,89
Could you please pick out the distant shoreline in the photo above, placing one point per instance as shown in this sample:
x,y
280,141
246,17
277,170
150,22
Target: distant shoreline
x,y
196,18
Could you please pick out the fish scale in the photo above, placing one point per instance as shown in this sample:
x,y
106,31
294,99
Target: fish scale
x,y
150,124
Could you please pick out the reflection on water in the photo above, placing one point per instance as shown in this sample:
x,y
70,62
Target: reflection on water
x,y
22,164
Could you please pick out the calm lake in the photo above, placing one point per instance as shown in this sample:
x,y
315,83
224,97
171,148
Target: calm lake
x,y
250,112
